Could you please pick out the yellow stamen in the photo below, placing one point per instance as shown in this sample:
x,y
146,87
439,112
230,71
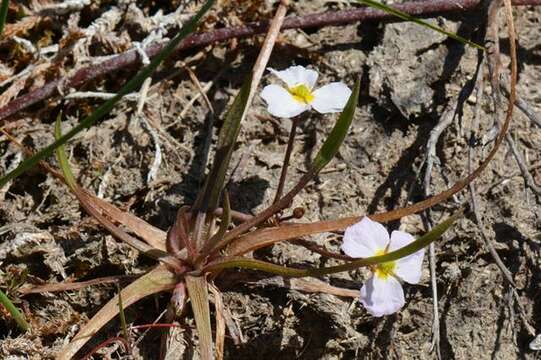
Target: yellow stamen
x,y
301,93
386,269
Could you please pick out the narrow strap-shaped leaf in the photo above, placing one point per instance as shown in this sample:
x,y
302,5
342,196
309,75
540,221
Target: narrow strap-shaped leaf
x,y
3,15
157,280
62,157
199,298
106,107
209,197
247,263
338,133
13,311
407,17
122,317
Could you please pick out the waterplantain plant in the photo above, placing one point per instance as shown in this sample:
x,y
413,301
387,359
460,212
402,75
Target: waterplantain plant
x,y
194,253
209,237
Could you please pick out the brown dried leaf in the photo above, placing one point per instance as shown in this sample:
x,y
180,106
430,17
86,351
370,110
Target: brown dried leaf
x,y
157,280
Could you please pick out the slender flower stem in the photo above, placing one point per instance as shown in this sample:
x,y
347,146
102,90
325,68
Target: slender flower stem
x,y
281,204
329,18
285,165
326,153
235,215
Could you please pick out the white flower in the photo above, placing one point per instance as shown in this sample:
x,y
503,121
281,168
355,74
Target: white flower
x,y
299,96
382,293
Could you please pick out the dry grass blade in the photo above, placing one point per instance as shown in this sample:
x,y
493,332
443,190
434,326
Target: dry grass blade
x,y
220,321
199,298
148,250
157,280
152,235
72,286
308,285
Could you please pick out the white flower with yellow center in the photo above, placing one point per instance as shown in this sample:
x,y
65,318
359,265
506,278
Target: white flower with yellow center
x,y
299,94
382,293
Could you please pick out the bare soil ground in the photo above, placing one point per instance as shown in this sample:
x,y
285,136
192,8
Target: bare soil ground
x,y
410,77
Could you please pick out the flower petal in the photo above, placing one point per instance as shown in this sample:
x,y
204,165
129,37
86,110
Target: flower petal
x,y
331,98
365,238
280,103
296,75
382,296
408,268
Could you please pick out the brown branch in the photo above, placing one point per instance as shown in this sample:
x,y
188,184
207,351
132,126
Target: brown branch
x,y
330,18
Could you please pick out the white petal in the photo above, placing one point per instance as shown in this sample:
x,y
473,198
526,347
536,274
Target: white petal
x,y
331,98
280,103
409,267
296,75
382,296
365,238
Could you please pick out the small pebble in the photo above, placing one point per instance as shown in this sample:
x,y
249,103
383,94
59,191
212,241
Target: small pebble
x,y
535,344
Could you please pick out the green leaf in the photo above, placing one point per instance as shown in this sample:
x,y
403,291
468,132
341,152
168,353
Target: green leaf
x,y
3,14
407,17
209,196
199,298
247,263
106,107
13,311
338,133
62,157
122,316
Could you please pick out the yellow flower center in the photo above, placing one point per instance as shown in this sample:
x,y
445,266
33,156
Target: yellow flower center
x,y
301,93
386,269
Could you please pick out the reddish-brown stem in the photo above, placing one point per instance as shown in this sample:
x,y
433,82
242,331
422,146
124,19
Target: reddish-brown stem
x,y
235,215
104,344
154,326
329,18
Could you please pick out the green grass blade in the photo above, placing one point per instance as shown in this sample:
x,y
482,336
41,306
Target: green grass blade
x,y
61,155
122,316
13,311
3,14
407,17
209,197
338,133
106,107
